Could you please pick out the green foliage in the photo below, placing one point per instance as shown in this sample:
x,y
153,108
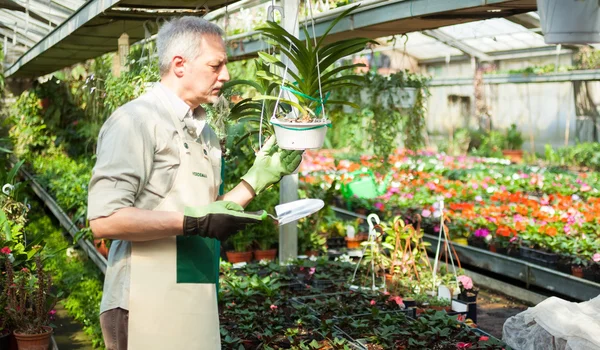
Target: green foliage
x,y
513,137
492,144
66,179
73,274
581,155
314,77
266,233
380,126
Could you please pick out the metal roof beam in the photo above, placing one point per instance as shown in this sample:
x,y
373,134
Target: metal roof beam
x,y
527,20
84,14
451,41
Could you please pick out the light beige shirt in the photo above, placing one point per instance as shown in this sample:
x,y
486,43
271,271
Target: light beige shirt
x,y
136,165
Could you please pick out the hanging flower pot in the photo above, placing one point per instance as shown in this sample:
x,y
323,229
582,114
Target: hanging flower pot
x,y
303,83
570,21
34,341
299,136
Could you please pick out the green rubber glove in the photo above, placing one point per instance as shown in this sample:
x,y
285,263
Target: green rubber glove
x,y
270,165
218,220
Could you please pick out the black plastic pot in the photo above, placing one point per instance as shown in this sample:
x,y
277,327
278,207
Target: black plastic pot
x,y
336,243
549,260
4,341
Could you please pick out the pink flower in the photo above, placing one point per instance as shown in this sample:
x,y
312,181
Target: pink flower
x,y
514,238
398,300
312,270
373,302
484,338
596,257
52,312
466,281
426,213
379,205
5,250
273,307
463,345
431,186
475,186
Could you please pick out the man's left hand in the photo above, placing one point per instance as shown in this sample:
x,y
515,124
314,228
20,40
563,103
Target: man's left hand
x,y
270,165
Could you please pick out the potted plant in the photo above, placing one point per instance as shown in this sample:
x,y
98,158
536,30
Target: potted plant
x,y
301,122
468,293
5,328
29,305
570,21
241,242
512,144
266,236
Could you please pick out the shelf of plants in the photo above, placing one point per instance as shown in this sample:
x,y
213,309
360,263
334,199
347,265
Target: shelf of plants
x,y
322,304
288,308
87,246
530,220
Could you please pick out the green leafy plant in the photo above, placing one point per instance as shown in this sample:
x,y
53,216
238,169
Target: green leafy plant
x,y
513,138
315,76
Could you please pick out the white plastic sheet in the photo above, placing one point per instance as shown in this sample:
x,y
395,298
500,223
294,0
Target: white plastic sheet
x,y
555,324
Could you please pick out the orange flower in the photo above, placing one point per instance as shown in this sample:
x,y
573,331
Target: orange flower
x,y
503,231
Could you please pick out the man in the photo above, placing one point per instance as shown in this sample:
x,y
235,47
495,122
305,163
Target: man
x,y
154,191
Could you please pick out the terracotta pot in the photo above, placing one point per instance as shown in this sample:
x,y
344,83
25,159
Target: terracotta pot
x,y
265,254
237,257
515,156
311,253
101,247
354,243
577,271
34,341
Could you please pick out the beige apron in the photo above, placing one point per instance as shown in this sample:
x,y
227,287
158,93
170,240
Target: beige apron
x,y
173,292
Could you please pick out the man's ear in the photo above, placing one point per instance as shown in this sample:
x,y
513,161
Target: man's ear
x,y
178,65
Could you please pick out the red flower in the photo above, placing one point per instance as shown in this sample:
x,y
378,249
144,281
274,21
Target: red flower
x,y
5,250
372,302
463,345
484,338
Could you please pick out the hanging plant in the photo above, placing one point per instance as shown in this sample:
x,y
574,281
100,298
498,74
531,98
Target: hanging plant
x,y
313,81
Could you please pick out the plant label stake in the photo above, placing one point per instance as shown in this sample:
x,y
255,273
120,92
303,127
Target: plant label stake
x,y
375,252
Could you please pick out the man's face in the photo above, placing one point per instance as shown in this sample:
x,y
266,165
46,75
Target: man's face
x,y
205,75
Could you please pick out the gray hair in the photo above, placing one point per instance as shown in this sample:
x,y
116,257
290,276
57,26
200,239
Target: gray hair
x,y
182,36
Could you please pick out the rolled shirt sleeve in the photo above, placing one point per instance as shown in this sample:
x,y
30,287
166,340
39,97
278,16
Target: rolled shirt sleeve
x,y
124,160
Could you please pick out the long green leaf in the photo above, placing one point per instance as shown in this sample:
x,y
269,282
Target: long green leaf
x,y
233,83
278,63
275,98
335,21
13,172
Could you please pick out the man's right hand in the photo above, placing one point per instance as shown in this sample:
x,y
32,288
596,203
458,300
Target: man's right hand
x,y
218,220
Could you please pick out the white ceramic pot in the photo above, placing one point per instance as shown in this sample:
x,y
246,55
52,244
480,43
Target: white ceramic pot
x,y
570,21
300,136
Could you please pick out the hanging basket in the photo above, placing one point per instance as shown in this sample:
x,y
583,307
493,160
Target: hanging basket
x,y
570,21
300,136
396,97
404,97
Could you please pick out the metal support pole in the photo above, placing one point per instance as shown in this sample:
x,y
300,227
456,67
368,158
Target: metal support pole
x,y
288,190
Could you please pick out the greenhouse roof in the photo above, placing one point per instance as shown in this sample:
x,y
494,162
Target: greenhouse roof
x,y
61,35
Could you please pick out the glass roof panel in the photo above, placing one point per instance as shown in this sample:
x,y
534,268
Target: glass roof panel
x,y
422,46
44,15
497,34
